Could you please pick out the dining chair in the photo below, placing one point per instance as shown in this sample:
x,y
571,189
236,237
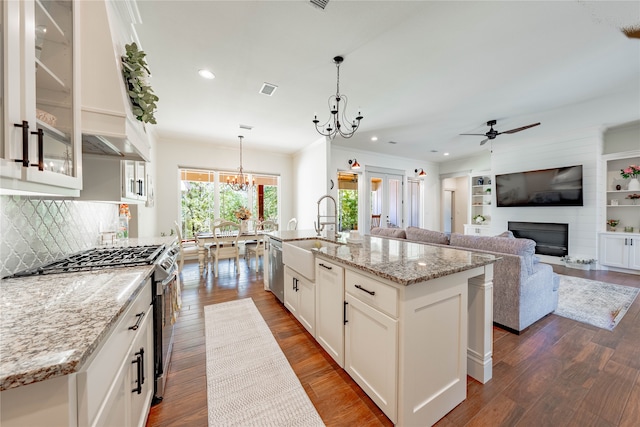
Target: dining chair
x,y
256,249
268,225
187,248
375,220
225,245
292,224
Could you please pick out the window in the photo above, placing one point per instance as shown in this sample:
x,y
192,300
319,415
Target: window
x,y
205,197
347,201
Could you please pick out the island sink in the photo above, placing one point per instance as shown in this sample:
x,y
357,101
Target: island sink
x,y
298,255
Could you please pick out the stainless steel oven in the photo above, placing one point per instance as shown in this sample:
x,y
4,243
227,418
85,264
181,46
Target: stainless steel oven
x,y
166,290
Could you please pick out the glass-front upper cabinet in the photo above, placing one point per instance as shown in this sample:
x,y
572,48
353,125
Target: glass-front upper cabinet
x,y
41,121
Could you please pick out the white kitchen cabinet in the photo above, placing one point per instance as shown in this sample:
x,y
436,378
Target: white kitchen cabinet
x,y
116,387
621,250
102,392
371,353
134,180
300,299
330,309
477,230
41,148
113,180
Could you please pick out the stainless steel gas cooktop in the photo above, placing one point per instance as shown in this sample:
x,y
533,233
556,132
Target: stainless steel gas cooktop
x,y
99,258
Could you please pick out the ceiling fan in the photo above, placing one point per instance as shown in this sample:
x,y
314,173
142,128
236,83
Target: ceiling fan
x,y
493,133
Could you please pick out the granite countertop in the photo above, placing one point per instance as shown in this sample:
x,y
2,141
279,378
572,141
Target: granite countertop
x,y
51,324
404,262
290,235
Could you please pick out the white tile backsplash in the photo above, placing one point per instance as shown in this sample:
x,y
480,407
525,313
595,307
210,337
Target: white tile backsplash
x,y
35,231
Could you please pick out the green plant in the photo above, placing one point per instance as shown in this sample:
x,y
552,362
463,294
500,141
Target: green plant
x,y
136,73
479,219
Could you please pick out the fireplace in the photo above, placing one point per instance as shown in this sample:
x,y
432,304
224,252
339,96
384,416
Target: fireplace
x,y
551,239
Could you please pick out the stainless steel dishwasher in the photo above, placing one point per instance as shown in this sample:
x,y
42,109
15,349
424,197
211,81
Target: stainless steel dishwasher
x,y
276,269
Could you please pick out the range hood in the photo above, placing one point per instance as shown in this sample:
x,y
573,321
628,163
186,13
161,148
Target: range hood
x,y
108,124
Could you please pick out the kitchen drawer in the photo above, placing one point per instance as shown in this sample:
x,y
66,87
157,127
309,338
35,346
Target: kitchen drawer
x,y
377,294
96,378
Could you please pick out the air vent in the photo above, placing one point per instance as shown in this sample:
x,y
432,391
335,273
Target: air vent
x,y
320,4
247,127
393,142
268,89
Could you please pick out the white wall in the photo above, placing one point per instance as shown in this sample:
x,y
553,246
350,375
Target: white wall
x,y
454,176
460,186
575,148
310,182
430,184
622,138
174,154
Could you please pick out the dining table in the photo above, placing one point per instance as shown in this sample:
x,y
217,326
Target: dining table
x,y
206,237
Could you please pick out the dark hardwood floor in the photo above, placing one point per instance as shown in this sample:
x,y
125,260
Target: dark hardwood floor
x,y
556,373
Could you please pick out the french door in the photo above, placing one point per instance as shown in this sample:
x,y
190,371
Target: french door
x,y
385,199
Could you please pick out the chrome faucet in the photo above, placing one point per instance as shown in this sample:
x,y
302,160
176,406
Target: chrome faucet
x,y
319,226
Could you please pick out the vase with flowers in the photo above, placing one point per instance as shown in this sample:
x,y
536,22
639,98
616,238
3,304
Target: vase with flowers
x,y
634,198
243,214
613,223
633,172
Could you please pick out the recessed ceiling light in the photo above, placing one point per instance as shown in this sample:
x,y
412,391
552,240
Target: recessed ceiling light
x,y
374,138
446,154
206,74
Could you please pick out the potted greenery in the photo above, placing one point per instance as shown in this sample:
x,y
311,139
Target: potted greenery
x,y
136,73
479,219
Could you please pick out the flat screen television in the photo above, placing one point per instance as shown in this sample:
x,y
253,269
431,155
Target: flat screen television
x,y
546,187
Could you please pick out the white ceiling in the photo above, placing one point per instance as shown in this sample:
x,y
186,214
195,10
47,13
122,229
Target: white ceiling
x,y
421,72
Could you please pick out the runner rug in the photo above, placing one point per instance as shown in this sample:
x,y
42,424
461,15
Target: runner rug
x,y
597,303
249,379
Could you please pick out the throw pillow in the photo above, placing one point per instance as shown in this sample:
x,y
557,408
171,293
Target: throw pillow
x,y
507,234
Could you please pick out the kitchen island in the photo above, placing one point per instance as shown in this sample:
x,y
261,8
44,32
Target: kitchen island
x,y
55,327
412,321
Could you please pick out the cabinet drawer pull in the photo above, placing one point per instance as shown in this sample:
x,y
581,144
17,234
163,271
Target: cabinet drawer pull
x,y
139,362
326,266
344,313
25,143
40,164
135,327
365,290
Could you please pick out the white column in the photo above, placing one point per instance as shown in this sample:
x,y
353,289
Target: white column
x,y
480,338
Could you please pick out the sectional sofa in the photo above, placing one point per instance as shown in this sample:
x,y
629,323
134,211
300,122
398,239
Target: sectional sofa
x,y
524,290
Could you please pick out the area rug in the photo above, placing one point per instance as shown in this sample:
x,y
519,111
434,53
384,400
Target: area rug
x,y
249,379
597,303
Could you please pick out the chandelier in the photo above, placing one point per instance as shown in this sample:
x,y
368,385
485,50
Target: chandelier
x,y
337,122
240,181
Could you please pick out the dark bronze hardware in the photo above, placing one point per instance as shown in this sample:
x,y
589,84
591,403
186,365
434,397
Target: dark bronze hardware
x,y
40,164
365,290
25,143
344,313
325,266
135,327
